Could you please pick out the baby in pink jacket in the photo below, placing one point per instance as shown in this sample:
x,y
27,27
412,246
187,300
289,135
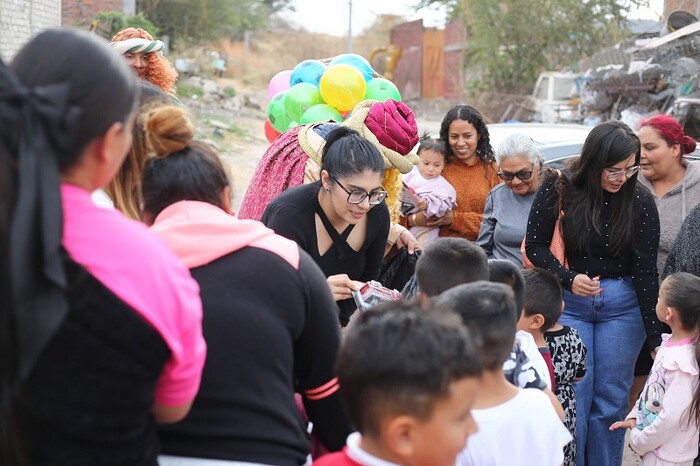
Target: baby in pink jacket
x,y
436,195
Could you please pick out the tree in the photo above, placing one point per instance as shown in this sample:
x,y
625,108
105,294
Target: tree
x,y
513,40
114,21
201,20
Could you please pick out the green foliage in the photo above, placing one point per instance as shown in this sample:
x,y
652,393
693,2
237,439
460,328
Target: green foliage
x,y
184,90
514,40
194,21
116,21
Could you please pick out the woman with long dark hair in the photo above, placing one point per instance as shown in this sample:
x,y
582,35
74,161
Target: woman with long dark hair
x,y
470,168
610,229
101,326
342,220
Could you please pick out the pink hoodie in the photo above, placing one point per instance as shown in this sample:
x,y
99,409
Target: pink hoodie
x,y
199,233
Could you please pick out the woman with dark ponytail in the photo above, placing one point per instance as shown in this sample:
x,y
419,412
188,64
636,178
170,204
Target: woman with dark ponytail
x,y
342,219
610,229
664,422
100,320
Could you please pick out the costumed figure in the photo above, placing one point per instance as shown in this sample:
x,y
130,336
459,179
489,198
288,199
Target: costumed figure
x,y
145,56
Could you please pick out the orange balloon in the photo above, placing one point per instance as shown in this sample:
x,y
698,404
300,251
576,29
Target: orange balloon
x,y
342,86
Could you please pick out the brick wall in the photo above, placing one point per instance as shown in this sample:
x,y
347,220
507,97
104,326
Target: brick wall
x,y
455,38
22,19
81,12
408,71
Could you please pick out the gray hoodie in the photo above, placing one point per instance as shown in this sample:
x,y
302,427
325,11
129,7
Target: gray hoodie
x,y
674,206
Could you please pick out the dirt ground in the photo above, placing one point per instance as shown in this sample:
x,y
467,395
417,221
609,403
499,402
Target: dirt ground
x,y
237,130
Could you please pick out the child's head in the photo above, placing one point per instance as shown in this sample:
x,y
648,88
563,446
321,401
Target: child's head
x,y
449,262
544,300
504,271
488,311
680,293
409,379
432,153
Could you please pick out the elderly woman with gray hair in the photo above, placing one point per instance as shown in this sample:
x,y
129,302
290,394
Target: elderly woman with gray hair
x,y
508,204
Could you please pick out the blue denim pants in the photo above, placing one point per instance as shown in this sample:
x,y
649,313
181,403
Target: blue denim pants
x,y
611,327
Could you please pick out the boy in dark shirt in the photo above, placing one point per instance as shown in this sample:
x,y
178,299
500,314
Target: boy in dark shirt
x,y
541,310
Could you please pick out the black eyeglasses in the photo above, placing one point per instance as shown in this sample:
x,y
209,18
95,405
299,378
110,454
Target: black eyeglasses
x,y
522,175
358,195
615,175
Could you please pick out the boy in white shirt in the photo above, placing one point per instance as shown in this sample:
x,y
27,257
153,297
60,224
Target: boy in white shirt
x,y
517,426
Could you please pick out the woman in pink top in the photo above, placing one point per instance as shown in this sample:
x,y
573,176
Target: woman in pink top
x,y
101,324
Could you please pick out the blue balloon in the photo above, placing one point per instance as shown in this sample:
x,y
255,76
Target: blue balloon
x,y
307,71
357,61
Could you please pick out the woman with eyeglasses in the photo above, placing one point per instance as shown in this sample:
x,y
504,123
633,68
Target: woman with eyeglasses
x,y
340,220
508,204
470,168
610,229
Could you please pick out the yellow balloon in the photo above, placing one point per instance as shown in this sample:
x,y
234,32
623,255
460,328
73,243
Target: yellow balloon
x,y
342,86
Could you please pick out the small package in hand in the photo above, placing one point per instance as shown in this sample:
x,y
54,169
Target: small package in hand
x,y
373,293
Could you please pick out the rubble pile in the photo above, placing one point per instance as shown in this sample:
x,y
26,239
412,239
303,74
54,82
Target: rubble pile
x,y
643,78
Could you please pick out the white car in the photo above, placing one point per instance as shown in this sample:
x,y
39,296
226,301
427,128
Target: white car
x,y
557,143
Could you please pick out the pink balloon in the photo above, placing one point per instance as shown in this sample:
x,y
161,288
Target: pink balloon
x,y
279,83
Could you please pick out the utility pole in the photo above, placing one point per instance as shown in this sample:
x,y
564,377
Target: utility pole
x,y
349,26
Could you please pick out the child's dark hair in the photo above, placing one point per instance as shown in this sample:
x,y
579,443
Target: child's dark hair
x,y
434,144
488,311
504,271
346,153
183,169
543,295
397,359
449,262
682,293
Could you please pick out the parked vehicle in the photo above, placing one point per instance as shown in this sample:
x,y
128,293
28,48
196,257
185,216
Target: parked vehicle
x,y
558,144
556,97
687,111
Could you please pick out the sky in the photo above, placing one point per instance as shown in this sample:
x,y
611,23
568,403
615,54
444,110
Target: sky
x,y
334,14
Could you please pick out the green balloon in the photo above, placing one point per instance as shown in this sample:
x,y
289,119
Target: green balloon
x,y
299,98
320,112
382,89
277,114
293,124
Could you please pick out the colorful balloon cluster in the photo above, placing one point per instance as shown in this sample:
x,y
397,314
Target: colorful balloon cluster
x,y
314,92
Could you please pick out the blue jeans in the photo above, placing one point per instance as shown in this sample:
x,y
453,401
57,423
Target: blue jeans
x,y
612,329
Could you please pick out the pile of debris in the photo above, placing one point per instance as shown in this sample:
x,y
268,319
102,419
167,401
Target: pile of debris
x,y
643,78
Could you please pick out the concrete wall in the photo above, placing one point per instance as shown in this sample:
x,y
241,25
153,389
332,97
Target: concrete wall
x,y
22,19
